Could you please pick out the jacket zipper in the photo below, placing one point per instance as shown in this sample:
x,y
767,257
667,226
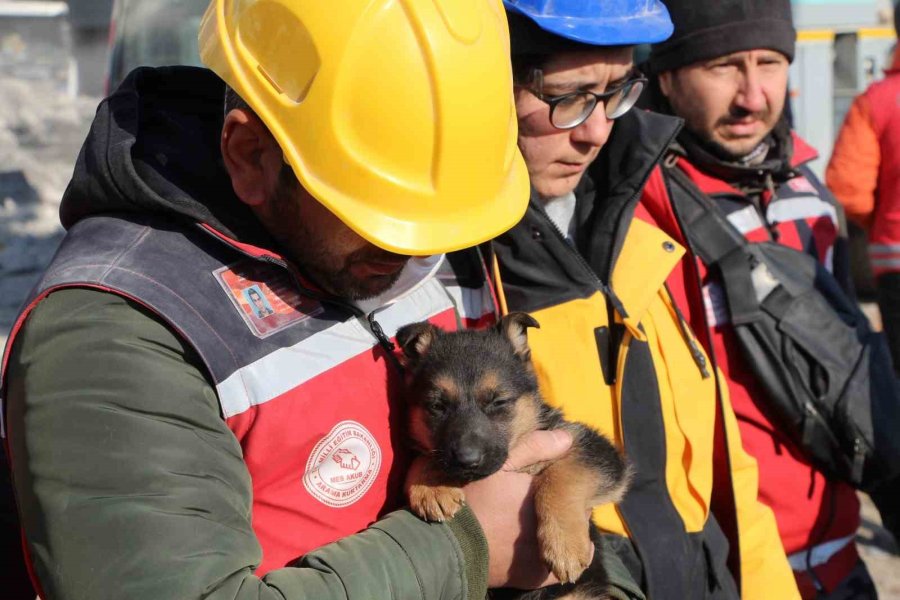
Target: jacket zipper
x,y
598,283
616,329
720,400
616,334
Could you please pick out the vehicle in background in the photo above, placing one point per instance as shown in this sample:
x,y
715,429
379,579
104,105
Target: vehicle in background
x,y
35,44
153,33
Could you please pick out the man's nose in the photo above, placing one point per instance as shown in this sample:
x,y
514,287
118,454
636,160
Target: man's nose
x,y
595,130
751,96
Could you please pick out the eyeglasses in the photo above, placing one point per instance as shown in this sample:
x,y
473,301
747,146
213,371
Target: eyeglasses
x,y
568,111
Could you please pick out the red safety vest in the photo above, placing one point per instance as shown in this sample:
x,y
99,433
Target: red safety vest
x,y
306,387
802,214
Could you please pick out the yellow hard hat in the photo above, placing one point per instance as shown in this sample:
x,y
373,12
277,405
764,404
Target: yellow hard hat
x,y
397,115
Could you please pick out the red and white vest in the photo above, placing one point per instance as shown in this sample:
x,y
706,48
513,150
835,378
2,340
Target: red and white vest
x,y
803,215
306,387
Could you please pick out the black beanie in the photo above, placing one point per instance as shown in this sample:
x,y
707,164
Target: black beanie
x,y
706,29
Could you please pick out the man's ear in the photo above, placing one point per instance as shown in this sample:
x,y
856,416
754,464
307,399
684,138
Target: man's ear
x,y
415,339
252,156
514,327
665,83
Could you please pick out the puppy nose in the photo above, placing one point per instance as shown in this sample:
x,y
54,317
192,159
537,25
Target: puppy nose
x,y
468,456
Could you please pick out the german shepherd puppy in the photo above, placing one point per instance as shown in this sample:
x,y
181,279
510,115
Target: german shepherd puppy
x,y
473,395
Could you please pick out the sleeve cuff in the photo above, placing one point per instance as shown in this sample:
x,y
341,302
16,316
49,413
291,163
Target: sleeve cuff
x,y
473,545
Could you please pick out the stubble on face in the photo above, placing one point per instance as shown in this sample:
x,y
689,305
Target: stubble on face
x,y
717,133
326,250
721,108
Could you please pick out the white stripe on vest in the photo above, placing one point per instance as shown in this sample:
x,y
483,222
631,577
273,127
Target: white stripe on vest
x,y
282,370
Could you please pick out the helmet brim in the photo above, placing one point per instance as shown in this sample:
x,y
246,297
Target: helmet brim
x,y
648,28
470,224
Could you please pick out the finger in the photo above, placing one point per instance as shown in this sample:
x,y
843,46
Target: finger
x,y
538,446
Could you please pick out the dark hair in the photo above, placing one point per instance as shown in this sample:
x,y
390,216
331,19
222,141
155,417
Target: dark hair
x,y
531,46
524,64
234,101
253,292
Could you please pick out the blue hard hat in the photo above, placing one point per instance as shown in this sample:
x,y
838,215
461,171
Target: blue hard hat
x,y
599,22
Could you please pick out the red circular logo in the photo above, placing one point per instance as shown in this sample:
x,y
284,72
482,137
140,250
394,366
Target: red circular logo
x,y
343,465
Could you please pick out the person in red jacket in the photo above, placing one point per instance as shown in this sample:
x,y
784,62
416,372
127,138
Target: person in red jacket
x,y
864,174
725,73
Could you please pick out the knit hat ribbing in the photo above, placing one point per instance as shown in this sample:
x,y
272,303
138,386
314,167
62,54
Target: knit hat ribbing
x,y
706,29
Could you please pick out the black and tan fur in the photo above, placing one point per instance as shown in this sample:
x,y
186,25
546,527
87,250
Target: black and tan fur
x,y
473,396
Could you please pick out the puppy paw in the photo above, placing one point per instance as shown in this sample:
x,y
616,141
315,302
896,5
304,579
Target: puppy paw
x,y
567,553
435,503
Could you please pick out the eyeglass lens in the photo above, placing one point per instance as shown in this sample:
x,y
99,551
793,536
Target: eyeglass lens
x,y
575,109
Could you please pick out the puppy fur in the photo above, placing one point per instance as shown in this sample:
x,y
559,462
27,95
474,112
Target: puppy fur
x,y
473,395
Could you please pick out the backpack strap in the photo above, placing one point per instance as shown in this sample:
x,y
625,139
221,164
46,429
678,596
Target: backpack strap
x,y
710,232
718,243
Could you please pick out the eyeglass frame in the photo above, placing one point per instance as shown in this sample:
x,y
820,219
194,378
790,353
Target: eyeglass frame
x,y
537,78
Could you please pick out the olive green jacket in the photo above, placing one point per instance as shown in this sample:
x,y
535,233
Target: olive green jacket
x,y
106,406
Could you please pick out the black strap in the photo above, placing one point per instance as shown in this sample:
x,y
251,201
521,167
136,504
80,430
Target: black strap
x,y
657,531
710,232
719,244
735,270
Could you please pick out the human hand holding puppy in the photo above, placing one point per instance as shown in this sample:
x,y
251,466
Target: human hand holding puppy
x,y
504,505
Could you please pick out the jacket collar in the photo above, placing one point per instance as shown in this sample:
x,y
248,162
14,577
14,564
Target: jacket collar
x,y
610,190
777,162
645,262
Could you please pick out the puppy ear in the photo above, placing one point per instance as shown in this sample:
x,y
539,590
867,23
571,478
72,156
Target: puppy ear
x,y
415,339
514,327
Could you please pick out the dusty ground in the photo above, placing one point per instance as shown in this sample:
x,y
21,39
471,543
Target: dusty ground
x,y
879,551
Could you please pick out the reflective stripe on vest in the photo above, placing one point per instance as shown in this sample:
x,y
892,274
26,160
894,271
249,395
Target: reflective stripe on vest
x,y
303,386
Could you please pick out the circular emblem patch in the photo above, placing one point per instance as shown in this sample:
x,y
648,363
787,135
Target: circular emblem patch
x,y
343,465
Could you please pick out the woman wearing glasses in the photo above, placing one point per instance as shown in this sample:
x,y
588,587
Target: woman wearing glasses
x,y
612,350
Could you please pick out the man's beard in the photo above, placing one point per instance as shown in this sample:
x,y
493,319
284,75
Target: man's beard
x,y
728,149
340,281
727,154
308,251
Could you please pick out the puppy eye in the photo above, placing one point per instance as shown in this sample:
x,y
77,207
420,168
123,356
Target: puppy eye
x,y
500,402
435,407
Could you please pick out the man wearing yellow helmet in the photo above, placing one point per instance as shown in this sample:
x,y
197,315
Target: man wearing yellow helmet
x,y
613,351
167,438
